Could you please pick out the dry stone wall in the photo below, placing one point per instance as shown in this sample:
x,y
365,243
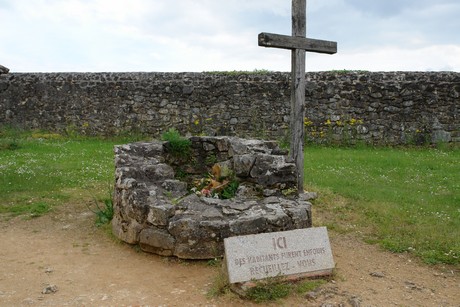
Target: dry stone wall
x,y
380,107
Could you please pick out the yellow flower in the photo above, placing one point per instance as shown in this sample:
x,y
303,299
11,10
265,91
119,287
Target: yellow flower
x,y
339,123
360,121
328,122
353,121
307,122
196,122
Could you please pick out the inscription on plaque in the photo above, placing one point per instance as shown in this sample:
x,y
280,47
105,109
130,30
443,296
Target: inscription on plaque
x,y
301,251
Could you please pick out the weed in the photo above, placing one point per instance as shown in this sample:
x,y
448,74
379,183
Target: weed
x,y
230,190
31,209
219,286
104,213
270,289
210,160
178,145
216,262
309,285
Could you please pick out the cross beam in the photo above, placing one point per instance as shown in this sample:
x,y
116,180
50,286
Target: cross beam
x,y
299,44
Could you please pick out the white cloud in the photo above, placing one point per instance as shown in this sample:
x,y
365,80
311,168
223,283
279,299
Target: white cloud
x,y
200,35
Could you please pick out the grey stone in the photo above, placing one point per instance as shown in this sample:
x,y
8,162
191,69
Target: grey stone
x,y
158,172
301,251
160,215
354,302
377,274
3,70
248,225
212,212
177,188
157,241
126,231
50,289
243,164
308,196
269,170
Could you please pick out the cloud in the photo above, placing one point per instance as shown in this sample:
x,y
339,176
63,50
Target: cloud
x,y
184,35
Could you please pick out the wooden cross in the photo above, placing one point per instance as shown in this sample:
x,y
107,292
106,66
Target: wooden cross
x,y
299,44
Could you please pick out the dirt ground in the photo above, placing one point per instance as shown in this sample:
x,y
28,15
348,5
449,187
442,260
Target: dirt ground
x,y
81,265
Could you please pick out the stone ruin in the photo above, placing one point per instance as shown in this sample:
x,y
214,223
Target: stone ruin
x,y
157,206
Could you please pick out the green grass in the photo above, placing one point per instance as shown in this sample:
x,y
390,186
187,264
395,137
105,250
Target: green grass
x,y
44,170
405,199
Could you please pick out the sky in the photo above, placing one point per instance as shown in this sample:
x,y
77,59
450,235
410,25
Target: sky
x,y
221,35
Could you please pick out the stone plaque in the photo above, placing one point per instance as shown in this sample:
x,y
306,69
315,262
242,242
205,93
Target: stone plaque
x,y
301,252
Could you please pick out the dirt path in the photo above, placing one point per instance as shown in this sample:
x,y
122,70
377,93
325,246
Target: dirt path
x,y
89,268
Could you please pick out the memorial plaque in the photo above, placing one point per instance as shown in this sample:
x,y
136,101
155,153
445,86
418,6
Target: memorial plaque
x,y
302,252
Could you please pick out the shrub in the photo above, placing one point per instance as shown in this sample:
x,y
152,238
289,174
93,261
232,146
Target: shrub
x,y
178,145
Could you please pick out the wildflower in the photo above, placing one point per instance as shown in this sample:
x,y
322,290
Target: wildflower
x,y
196,122
206,192
353,122
328,122
339,123
307,122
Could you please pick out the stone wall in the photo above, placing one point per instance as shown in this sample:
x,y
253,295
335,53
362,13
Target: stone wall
x,y
382,107
168,202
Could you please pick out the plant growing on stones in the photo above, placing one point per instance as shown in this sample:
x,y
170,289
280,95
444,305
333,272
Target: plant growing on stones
x,y
177,144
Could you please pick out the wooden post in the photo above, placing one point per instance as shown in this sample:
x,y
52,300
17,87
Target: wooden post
x,y
298,43
299,28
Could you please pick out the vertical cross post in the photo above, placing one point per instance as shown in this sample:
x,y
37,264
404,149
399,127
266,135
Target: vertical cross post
x,y
299,29
298,44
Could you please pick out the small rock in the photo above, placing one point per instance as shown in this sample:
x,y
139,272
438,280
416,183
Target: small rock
x,y
105,297
49,270
377,274
354,301
50,289
3,70
311,295
308,196
411,285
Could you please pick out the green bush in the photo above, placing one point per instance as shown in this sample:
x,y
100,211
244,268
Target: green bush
x,y
177,144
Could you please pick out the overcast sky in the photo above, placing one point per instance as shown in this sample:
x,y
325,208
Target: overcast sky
x,y
211,35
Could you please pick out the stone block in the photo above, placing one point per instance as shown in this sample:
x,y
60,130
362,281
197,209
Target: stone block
x,y
157,241
287,253
243,164
127,232
159,215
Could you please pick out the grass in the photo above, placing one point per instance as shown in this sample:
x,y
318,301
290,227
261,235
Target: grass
x,y
44,170
405,199
266,290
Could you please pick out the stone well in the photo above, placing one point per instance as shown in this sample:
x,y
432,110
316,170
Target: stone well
x,y
155,206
